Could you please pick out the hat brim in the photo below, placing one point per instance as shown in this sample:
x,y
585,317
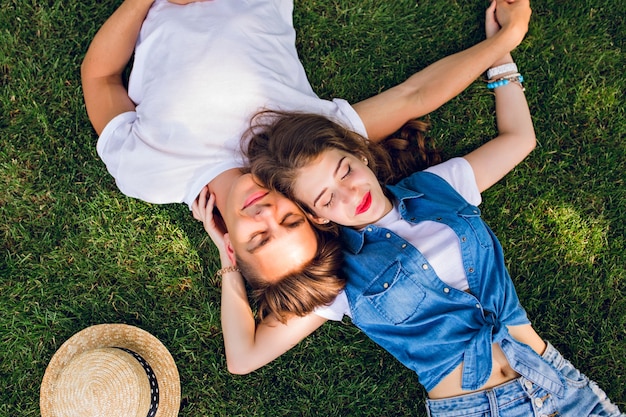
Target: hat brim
x,y
120,336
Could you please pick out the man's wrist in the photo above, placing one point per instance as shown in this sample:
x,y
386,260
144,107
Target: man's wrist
x,y
510,36
226,270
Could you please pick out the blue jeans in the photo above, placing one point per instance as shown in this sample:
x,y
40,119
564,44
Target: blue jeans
x,y
523,398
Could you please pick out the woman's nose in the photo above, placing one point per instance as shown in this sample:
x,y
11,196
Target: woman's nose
x,y
347,193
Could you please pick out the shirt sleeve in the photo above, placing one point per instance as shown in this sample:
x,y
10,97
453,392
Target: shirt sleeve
x,y
459,174
335,310
349,118
114,136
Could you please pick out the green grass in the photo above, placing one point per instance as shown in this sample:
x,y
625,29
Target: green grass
x,y
76,252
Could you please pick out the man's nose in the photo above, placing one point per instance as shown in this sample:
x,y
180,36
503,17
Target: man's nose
x,y
262,210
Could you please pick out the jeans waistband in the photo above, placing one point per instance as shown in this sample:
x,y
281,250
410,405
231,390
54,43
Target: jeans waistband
x,y
478,403
543,373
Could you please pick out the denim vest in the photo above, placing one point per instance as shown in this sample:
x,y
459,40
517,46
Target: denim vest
x,y
398,300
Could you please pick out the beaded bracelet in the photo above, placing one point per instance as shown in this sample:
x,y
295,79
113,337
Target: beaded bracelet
x,y
513,78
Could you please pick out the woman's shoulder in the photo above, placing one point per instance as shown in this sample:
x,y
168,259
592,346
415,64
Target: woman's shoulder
x,y
458,173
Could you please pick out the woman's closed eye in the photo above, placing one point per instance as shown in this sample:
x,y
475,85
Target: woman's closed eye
x,y
346,174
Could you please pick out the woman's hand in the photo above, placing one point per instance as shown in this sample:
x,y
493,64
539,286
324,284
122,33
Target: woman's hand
x,y
491,22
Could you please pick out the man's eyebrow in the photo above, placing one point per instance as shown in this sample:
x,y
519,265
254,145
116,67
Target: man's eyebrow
x,y
334,174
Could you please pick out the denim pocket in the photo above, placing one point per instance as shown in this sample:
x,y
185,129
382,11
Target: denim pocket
x,y
478,228
395,294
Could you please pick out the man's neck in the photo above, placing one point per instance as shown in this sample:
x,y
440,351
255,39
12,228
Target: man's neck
x,y
220,186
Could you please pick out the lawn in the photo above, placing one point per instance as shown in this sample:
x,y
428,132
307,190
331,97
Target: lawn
x,y
77,252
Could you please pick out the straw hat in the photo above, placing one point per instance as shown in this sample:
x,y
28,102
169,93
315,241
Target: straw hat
x,y
111,370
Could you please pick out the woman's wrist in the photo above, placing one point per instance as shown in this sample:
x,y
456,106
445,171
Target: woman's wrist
x,y
504,74
501,69
506,59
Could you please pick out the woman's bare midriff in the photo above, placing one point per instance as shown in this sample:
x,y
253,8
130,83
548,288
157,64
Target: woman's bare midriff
x,y
501,371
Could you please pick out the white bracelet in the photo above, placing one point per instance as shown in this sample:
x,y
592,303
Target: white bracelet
x,y
501,69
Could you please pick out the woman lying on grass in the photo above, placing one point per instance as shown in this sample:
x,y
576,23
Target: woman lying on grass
x,y
426,277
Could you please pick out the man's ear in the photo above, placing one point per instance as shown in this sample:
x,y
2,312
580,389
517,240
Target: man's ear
x,y
230,252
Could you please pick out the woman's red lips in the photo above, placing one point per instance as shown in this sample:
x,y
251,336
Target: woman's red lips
x,y
365,203
254,197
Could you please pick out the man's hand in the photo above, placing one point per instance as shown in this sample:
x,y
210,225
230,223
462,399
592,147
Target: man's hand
x,y
202,209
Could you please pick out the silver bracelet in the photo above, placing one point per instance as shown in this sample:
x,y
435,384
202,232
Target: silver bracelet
x,y
501,69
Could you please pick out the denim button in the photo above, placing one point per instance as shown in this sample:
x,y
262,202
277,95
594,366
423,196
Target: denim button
x,y
528,384
538,402
425,267
369,229
463,239
446,290
403,245
388,235
471,270
386,285
477,305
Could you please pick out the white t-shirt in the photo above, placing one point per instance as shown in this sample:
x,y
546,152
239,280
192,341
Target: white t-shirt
x,y
200,72
437,242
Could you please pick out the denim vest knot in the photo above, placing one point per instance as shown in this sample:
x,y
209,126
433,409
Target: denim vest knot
x,y
398,300
477,358
522,359
533,367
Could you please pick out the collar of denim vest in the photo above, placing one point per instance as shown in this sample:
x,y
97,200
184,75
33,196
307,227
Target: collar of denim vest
x,y
353,239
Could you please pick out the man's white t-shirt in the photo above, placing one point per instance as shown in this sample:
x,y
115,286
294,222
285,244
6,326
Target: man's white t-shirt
x,y
200,72
437,242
